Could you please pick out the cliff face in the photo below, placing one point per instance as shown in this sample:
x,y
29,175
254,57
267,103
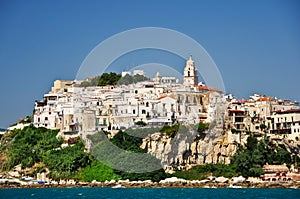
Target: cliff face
x,y
190,148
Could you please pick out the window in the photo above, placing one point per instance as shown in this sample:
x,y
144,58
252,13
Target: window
x,y
189,73
143,111
178,99
46,118
133,111
147,104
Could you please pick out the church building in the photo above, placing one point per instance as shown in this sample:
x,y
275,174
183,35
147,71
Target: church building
x,y
190,73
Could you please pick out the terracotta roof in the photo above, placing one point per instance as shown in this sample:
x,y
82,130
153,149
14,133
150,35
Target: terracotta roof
x,y
161,97
164,96
206,88
265,99
242,101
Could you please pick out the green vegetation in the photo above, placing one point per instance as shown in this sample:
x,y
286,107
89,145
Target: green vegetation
x,y
39,145
203,171
109,79
29,146
127,142
235,131
113,79
64,163
97,171
142,132
250,159
130,146
201,128
128,79
140,123
40,149
170,130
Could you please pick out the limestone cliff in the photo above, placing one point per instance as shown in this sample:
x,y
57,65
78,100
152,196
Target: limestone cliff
x,y
190,148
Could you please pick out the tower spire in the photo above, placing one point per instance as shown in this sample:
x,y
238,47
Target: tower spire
x,y
190,72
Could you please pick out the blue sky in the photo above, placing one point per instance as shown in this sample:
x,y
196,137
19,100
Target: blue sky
x,y
255,44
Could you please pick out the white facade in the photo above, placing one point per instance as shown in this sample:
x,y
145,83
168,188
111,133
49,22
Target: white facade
x,y
286,122
249,115
190,73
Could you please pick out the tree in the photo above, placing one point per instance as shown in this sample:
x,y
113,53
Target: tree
x,y
109,79
251,142
140,123
127,142
127,79
262,127
139,78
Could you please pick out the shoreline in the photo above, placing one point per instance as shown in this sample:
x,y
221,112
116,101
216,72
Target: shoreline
x,y
143,184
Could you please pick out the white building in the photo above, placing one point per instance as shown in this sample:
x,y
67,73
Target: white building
x,y
139,72
285,122
84,110
252,114
190,73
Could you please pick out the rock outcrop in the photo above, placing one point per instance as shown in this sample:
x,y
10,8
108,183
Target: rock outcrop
x,y
192,148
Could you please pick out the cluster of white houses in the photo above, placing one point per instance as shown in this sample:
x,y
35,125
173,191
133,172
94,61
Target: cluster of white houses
x,y
159,101
156,102
260,113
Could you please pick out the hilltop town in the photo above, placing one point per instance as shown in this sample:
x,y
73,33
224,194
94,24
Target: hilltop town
x,y
218,124
157,102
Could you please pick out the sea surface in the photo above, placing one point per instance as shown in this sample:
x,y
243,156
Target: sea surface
x,y
149,193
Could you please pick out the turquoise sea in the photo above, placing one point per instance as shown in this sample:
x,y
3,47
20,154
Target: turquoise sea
x,y
151,193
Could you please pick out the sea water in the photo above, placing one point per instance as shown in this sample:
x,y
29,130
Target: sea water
x,y
149,193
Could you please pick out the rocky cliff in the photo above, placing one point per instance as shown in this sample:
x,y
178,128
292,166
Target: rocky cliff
x,y
190,147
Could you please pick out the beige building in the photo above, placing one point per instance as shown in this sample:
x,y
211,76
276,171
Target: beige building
x,y
190,74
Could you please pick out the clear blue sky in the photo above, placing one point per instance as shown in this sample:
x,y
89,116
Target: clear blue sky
x,y
255,44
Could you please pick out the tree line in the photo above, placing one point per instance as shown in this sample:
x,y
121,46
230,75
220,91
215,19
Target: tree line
x,y
113,79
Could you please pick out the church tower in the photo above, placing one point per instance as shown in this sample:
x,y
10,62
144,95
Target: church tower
x,y
190,73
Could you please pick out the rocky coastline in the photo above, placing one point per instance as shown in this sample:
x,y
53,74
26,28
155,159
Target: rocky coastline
x,y
167,183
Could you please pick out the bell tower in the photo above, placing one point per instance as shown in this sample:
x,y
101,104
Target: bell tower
x,y
190,74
